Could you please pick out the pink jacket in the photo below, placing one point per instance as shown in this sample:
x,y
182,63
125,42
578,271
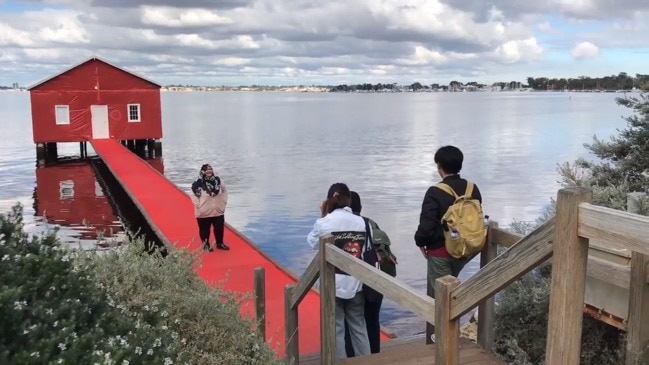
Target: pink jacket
x,y
206,206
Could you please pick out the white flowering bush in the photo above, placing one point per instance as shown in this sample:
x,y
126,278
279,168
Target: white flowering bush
x,y
52,311
207,320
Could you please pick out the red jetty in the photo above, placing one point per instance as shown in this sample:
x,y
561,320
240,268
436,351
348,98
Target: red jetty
x,y
170,212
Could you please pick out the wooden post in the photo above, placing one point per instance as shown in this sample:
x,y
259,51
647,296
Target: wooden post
x,y
486,309
158,148
41,153
150,147
327,306
430,328
291,334
637,339
568,280
51,149
447,329
260,300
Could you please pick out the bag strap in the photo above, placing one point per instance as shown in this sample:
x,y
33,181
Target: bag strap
x,y
469,189
446,188
368,233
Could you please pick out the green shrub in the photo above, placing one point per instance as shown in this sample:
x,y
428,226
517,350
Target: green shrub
x,y
208,320
52,311
521,322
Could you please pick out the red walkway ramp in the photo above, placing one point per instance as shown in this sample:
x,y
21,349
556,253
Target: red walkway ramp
x,y
171,212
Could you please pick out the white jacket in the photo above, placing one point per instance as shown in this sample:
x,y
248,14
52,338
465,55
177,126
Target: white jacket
x,y
337,221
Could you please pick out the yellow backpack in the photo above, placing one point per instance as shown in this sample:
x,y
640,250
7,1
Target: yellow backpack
x,y
467,231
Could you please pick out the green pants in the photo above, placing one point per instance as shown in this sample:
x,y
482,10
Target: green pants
x,y
439,267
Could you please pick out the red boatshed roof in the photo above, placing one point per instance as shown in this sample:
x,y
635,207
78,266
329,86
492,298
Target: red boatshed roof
x,y
88,60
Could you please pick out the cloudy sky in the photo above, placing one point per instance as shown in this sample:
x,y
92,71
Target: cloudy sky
x,y
281,42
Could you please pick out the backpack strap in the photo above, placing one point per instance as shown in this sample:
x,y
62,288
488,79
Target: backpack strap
x,y
469,189
447,189
368,232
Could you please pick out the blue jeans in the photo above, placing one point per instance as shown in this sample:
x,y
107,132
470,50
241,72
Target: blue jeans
x,y
351,311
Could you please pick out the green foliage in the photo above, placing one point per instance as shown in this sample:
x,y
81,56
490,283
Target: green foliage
x,y
52,311
207,320
122,307
623,164
521,317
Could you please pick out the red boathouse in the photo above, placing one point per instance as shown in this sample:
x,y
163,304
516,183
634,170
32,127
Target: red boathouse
x,y
95,100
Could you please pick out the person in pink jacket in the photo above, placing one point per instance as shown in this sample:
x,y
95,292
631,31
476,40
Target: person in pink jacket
x,y
210,197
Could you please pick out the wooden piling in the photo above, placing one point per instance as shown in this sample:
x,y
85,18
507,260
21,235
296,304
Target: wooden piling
x,y
568,280
260,300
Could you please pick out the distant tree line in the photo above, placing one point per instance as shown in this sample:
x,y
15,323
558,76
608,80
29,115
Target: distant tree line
x,y
622,81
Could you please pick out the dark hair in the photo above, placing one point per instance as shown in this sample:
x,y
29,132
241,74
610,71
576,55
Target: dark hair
x,y
355,203
450,159
338,197
205,166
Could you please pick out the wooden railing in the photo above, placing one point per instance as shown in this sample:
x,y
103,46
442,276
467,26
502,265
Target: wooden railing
x,y
575,223
576,220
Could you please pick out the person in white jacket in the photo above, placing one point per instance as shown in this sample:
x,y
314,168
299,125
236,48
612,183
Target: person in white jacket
x,y
210,197
349,230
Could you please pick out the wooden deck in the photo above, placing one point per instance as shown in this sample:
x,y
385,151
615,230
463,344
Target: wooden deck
x,y
414,351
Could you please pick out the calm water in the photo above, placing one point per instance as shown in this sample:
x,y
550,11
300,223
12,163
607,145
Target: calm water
x,y
279,152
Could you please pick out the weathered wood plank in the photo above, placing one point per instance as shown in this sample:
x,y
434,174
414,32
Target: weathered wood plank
x,y
447,328
327,303
260,299
609,272
518,260
486,308
625,229
420,304
637,348
291,333
414,352
503,237
568,285
306,281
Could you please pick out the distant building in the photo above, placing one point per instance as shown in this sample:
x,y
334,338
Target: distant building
x,y
15,86
95,100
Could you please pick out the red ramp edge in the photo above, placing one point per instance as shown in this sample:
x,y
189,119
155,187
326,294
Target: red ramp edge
x,y
170,213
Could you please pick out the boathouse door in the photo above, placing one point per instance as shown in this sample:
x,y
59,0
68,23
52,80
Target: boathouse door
x,y
99,118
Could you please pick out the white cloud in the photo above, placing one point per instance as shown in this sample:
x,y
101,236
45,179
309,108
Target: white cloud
x,y
519,50
585,50
10,36
175,18
289,41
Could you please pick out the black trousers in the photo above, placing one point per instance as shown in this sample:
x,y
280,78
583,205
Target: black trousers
x,y
372,310
204,225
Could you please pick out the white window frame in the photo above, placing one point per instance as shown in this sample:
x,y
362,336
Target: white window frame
x,y
139,113
65,121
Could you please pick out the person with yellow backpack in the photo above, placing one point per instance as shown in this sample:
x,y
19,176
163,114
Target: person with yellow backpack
x,y
452,226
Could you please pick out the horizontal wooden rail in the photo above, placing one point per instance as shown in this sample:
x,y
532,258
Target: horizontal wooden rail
x,y
308,278
609,272
628,230
518,260
420,304
504,238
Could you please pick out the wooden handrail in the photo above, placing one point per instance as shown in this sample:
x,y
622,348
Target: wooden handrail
x,y
627,230
308,278
524,253
518,260
420,304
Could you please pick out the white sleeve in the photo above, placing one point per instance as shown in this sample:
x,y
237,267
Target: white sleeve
x,y
313,239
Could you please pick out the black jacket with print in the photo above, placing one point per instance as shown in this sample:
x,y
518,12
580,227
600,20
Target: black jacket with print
x,y
436,202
